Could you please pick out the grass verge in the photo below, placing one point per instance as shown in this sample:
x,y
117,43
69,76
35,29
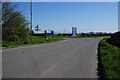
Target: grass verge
x,y
35,40
109,60
83,36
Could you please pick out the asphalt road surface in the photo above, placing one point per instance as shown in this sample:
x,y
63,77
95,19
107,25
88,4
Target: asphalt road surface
x,y
72,58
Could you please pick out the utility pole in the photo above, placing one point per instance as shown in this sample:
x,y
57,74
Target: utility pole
x,y
31,20
119,16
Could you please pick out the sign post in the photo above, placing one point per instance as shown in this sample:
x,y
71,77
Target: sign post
x,y
49,33
74,31
37,28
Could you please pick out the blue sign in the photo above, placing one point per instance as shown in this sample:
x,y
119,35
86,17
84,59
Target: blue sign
x,y
74,31
49,33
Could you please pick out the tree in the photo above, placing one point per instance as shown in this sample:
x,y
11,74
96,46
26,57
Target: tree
x,y
14,24
83,34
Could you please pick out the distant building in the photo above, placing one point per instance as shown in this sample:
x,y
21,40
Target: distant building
x,y
74,31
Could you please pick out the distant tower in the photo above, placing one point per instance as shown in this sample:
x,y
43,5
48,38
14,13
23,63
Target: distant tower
x,y
64,30
74,31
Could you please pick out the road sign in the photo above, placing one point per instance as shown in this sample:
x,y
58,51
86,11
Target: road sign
x,y
49,33
74,31
37,28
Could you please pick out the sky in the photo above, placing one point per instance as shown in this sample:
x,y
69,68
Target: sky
x,y
60,0
62,16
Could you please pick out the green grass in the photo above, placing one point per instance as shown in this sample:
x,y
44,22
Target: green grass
x,y
110,58
84,36
35,40
92,36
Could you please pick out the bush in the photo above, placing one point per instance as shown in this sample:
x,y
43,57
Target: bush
x,y
115,39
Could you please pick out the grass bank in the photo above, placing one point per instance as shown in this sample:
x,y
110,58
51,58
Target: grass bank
x,y
35,40
109,60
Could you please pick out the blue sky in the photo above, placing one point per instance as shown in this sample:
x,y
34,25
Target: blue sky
x,y
62,16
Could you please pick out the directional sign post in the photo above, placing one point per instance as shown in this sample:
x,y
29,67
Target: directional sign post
x,y
37,28
74,31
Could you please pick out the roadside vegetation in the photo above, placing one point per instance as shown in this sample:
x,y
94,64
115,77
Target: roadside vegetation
x,y
109,58
15,27
83,35
16,30
35,40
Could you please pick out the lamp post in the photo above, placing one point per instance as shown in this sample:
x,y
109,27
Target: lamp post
x,y
31,20
119,16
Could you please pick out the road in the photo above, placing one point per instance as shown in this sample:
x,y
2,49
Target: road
x,y
72,58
